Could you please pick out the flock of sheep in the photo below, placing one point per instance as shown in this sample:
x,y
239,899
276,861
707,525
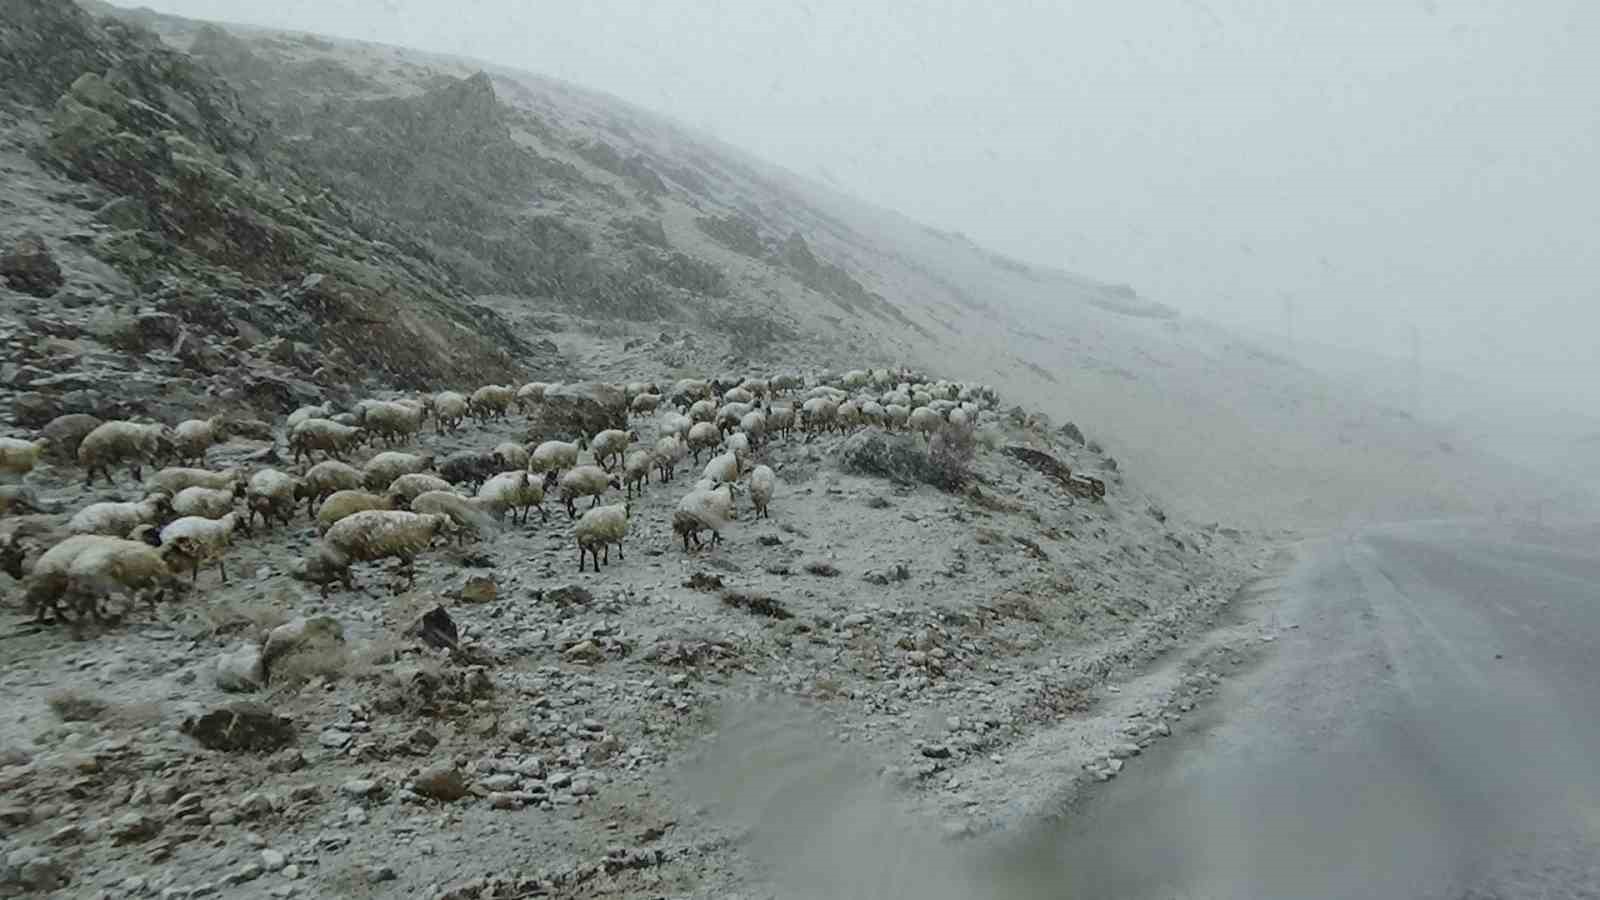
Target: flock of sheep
x,y
399,504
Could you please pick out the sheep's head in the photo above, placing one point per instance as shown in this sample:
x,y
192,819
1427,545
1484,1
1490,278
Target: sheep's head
x,y
550,480
614,483
427,460
13,551
360,436
146,534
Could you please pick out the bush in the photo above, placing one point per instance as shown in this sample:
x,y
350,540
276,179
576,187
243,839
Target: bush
x,y
902,459
951,451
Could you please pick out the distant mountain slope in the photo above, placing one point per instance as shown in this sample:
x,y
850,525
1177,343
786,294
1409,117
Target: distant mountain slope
x,y
524,186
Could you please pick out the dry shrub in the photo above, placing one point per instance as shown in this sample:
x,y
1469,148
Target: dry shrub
x,y
132,716
951,451
760,604
73,705
822,569
247,617
295,669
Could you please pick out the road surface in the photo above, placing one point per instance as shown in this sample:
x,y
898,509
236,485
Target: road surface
x,y
1431,729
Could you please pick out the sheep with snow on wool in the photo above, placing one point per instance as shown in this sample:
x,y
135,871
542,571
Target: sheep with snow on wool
x,y
704,509
342,504
412,485
554,456
123,441
175,479
208,503
18,457
585,481
703,436
335,440
272,494
609,446
378,534
201,540
450,409
381,470
513,454
118,519
324,479
598,530
520,492
193,437
475,517
763,481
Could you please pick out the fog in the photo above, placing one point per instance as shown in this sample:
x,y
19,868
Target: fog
x,y
1364,167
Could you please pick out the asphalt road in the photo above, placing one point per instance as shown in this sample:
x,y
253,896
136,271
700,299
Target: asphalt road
x,y
1431,729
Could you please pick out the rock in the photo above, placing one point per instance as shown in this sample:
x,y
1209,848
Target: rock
x,y
254,805
360,788
379,874
33,409
569,595
936,751
1123,751
334,739
901,458
436,629
306,635
29,268
133,827
290,760
420,742
34,869
501,782
442,782
124,213
157,329
479,589
291,871
241,727
250,429
245,873
273,860
66,834
582,408
240,669
583,651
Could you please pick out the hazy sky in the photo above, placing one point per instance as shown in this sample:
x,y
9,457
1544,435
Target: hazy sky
x,y
1382,162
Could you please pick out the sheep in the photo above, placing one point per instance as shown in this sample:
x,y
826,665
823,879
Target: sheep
x,y
848,415
321,411
519,492
512,454
781,383
477,516
332,438
729,415
855,379
703,411
47,583
738,395
599,529
818,413
687,391
675,424
173,480
780,420
754,423
449,409
553,456
393,420
112,565
529,395
18,500
638,388
193,437
342,504
703,509
896,415
636,471
762,483
271,493
703,436
610,445
926,421
414,484
490,401
379,534
322,566
668,451
381,470
738,444
65,433
325,478
723,468
644,404
758,387
119,441
117,519
470,467
585,481
201,539
18,457
206,502
872,413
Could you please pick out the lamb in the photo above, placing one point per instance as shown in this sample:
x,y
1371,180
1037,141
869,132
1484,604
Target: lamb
x,y
303,413
325,478
18,457
762,483
206,502
119,441
380,534
700,510
926,421
381,470
703,436
723,468
272,494
491,401
585,481
645,404
393,420
553,456
193,437
200,539
332,438
636,471
512,454
174,480
611,444
449,409
342,504
519,492
412,485
529,395
478,516
65,433
598,530
470,467
118,519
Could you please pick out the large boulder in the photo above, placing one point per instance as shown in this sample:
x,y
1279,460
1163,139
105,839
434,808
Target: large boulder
x,y
317,639
901,458
28,267
240,670
583,408
242,728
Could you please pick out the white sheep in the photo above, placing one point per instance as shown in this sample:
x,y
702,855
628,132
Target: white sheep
x,y
738,444
668,451
763,481
598,530
381,470
380,534
201,539
703,436
724,467
491,401
872,413
393,420
758,387
332,438
754,423
675,424
206,502
46,583
321,411
585,481
520,492
530,395
636,471
512,454
118,519
112,566
553,456
644,404
925,421
449,409
818,413
173,480
703,509
688,390
270,494
325,478
609,446
193,437
780,419
738,395
123,441
703,411
896,415
848,415
413,484
343,504
782,383
474,516
729,414
18,457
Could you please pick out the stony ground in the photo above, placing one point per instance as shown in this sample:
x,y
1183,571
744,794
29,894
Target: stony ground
x,y
939,634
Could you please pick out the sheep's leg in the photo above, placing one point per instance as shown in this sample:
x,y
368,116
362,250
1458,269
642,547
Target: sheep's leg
x,y
607,547
580,560
194,577
222,566
543,516
619,551
594,501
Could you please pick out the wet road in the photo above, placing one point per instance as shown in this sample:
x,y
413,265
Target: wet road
x,y
1431,729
